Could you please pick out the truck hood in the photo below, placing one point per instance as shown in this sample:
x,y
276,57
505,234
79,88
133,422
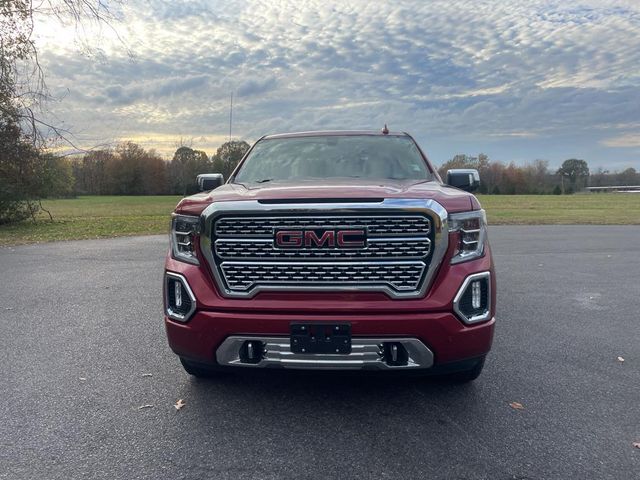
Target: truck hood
x,y
452,199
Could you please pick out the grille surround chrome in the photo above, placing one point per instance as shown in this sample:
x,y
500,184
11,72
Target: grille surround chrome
x,y
388,207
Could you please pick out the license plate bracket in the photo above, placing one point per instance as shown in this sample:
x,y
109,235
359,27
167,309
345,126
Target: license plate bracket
x,y
327,338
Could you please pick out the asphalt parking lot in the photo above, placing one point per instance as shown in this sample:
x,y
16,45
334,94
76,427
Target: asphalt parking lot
x,y
83,348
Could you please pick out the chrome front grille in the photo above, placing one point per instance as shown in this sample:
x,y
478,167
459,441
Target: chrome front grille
x,y
403,247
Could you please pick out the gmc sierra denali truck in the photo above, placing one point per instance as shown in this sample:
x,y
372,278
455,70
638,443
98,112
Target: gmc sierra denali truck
x,y
332,250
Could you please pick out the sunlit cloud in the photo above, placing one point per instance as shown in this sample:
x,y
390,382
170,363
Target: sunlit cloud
x,y
627,140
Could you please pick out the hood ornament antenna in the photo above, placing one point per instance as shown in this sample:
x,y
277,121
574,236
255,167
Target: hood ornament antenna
x,y
385,130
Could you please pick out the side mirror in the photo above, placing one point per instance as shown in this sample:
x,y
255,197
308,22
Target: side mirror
x,y
467,179
209,181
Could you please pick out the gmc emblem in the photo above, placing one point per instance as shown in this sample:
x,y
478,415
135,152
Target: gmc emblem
x,y
320,238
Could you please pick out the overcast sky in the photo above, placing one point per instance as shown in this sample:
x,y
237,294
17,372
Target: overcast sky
x,y
517,80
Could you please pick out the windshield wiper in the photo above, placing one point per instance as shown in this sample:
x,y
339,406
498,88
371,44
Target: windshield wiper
x,y
264,180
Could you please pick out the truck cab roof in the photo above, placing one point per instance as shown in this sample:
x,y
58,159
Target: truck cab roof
x,y
325,133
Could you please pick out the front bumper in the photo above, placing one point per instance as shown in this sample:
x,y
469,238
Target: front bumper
x,y
214,338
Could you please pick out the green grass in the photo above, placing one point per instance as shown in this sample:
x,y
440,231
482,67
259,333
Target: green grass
x,y
93,217
101,217
579,209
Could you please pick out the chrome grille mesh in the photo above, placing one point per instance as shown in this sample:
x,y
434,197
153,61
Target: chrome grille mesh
x,y
257,249
242,276
396,257
376,225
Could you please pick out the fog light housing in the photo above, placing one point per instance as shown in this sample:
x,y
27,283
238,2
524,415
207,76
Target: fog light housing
x,y
179,301
472,303
251,351
395,354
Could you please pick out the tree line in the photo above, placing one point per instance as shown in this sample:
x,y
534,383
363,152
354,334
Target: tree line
x,y
129,169
537,178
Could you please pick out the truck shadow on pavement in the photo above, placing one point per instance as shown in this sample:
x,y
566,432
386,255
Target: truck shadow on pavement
x,y
273,392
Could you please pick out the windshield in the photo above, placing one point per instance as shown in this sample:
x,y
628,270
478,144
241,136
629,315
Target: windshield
x,y
355,156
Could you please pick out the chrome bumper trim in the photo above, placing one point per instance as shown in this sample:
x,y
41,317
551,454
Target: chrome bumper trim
x,y
366,354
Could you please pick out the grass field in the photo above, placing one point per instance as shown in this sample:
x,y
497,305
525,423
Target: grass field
x,y
580,209
98,217
93,217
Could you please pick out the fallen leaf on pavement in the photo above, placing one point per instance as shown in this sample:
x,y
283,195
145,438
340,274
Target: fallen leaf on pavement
x,y
141,407
82,379
620,359
516,406
636,444
179,404
147,374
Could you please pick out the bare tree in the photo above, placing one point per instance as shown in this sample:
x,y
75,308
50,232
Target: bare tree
x,y
23,88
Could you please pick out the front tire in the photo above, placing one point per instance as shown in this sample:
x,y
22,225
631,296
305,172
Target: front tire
x,y
466,376
196,370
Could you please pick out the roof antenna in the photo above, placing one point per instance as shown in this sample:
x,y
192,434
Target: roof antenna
x,y
385,130
230,114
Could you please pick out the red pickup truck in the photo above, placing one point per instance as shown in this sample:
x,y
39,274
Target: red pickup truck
x,y
339,250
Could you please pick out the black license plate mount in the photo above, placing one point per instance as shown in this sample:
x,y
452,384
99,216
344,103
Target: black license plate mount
x,y
327,338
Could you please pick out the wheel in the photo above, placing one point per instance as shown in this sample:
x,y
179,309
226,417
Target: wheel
x,y
196,370
466,376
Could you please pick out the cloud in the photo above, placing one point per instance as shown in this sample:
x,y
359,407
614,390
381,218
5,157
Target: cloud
x,y
519,80
252,87
627,140
155,89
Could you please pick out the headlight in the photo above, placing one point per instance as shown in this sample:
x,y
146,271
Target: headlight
x,y
472,227
184,232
